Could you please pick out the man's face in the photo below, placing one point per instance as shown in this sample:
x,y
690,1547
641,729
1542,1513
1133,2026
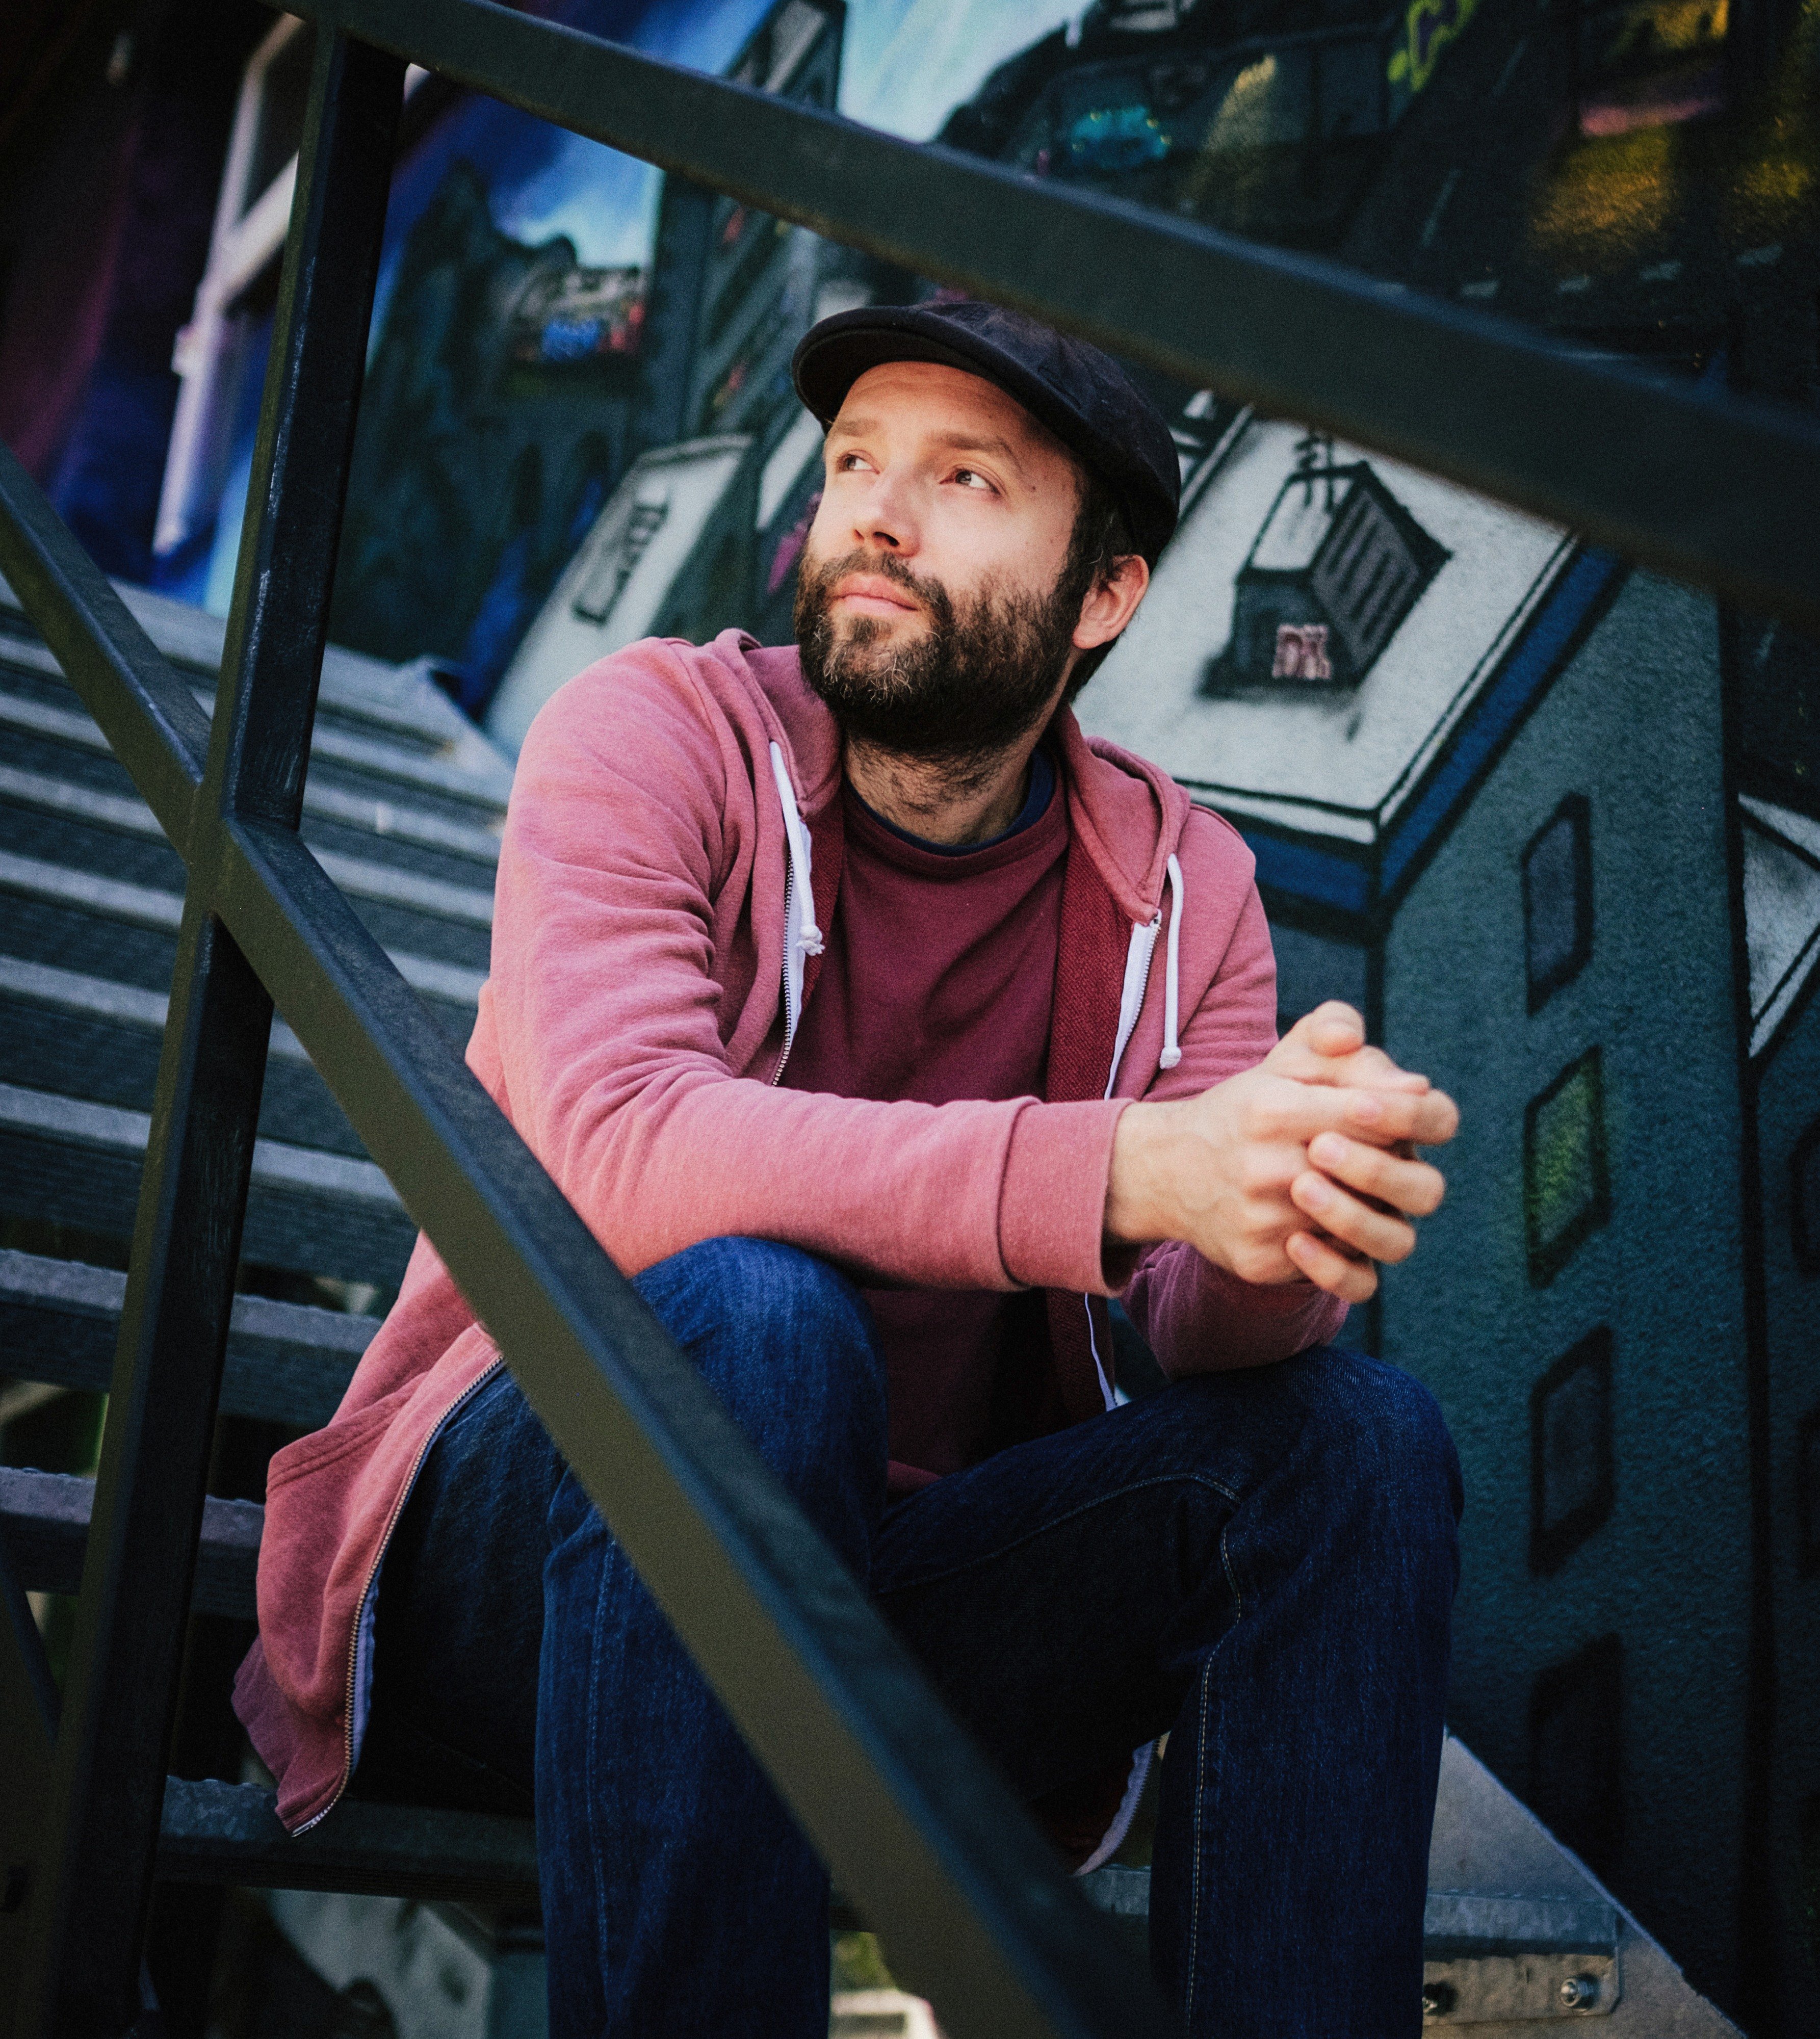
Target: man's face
x,y
935,609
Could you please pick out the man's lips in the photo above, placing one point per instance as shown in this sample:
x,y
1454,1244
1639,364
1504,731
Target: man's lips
x,y
872,595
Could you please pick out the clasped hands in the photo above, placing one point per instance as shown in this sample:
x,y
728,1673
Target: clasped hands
x,y
1302,1169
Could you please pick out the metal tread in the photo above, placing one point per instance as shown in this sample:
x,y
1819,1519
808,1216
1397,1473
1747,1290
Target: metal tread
x,y
44,1518
286,1362
358,876
153,907
368,759
72,1161
214,1832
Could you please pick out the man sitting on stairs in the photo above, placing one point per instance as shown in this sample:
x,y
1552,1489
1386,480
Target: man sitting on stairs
x,y
883,1028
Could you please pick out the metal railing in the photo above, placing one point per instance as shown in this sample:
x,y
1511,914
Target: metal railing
x,y
919,1831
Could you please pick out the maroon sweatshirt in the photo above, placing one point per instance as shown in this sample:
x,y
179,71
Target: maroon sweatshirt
x,y
938,983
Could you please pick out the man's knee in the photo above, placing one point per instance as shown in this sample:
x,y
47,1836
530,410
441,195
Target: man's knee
x,y
783,1338
1381,1433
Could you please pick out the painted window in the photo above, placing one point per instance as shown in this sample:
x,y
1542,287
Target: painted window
x,y
1576,1752
1570,1452
1557,899
1804,1200
1567,1191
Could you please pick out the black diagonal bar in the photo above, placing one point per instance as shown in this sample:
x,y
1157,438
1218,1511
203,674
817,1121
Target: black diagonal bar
x,y
1713,486
919,1830
81,1978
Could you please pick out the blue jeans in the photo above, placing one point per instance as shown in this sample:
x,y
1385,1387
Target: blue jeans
x,y
1261,1563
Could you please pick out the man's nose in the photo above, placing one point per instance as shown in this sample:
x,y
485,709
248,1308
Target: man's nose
x,y
886,519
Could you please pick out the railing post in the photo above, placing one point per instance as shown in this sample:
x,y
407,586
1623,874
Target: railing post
x,y
81,1977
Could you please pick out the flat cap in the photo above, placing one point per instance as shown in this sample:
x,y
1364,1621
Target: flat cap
x,y
1079,393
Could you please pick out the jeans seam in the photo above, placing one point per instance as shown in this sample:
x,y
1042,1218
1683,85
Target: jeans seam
x,y
1086,1508
1232,1574
1200,1802
601,1922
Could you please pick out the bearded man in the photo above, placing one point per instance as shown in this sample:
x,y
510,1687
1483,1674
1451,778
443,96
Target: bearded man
x,y
883,1028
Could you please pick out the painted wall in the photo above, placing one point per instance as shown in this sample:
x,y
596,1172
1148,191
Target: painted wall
x,y
1632,725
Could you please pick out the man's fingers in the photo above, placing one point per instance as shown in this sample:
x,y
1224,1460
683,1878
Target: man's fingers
x,y
1395,1180
1363,1067
1382,1235
1386,1119
1353,1281
1332,1028
1287,1110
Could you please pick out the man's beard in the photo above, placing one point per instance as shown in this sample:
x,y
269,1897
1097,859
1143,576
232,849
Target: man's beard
x,y
961,691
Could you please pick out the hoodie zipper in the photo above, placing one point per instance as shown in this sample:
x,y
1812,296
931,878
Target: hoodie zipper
x,y
789,1024
460,1401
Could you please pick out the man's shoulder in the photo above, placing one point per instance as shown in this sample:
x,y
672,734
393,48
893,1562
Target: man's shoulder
x,y
1142,817
730,691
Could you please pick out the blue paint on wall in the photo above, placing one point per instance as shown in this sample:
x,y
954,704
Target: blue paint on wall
x,y
1310,873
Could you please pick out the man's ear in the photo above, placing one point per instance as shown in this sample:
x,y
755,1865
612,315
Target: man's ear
x,y
1107,608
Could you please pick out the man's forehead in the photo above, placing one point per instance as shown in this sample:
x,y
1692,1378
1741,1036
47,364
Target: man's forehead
x,y
933,393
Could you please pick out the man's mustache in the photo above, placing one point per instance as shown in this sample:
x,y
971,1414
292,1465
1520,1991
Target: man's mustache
x,y
931,593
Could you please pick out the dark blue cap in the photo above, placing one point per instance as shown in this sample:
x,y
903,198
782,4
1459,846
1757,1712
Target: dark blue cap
x,y
1082,395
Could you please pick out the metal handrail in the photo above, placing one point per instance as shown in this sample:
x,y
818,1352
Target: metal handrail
x,y
920,1831
1717,487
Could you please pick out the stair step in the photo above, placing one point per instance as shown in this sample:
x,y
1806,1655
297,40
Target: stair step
x,y
356,763
60,737
286,1362
106,816
364,693
83,1036
76,1162
74,897
44,1518
229,1833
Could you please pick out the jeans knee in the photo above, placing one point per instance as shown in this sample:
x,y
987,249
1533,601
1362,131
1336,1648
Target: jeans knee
x,y
1382,1432
783,1338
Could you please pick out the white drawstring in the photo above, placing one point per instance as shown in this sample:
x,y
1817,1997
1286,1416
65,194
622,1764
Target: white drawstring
x,y
1171,1052
802,937
809,935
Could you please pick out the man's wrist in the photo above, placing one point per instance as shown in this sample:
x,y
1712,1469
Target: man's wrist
x,y
1139,1207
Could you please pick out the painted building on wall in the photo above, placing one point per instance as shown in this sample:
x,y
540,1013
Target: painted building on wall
x,y
1486,775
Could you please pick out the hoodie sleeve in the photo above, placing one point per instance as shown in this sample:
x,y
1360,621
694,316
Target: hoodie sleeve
x,y
1198,1318
633,824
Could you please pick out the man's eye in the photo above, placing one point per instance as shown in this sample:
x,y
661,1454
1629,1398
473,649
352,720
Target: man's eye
x,y
849,463
970,478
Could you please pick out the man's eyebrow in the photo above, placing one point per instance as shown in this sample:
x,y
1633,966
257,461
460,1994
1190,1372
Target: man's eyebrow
x,y
979,443
956,441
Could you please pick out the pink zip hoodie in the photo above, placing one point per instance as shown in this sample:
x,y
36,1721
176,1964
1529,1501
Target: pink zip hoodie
x,y
672,850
